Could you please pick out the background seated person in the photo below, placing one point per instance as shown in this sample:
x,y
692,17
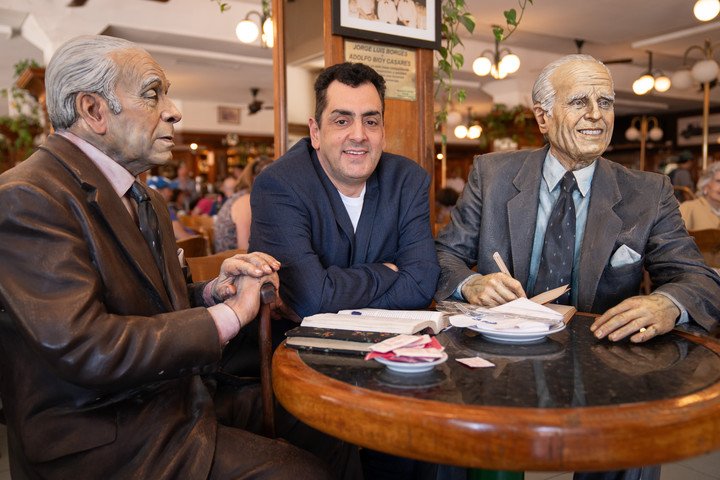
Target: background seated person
x,y
166,189
232,223
704,212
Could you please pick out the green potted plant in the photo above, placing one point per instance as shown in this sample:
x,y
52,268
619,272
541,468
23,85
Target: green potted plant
x,y
19,129
516,123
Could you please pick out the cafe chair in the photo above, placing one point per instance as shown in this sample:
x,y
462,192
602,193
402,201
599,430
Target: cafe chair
x,y
203,224
207,267
195,246
683,194
708,241
267,296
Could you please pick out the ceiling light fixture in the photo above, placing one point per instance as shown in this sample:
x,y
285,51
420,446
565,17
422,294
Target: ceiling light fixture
x,y
651,79
633,134
499,63
472,130
704,71
247,31
706,10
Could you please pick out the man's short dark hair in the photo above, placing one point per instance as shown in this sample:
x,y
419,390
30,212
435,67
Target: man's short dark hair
x,y
351,74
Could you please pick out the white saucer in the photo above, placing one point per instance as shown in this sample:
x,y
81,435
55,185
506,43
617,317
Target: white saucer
x,y
404,367
510,336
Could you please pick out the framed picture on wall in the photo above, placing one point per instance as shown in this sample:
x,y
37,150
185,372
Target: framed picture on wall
x,y
415,23
228,115
690,130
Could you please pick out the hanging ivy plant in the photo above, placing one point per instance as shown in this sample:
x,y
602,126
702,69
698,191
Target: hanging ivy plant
x,y
456,16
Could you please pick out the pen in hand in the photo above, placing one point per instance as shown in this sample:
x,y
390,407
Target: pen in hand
x,y
501,265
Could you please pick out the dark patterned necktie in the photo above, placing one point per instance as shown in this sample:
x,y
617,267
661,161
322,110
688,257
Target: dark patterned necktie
x,y
148,223
558,251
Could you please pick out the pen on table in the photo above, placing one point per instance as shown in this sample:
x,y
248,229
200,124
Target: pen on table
x,y
501,265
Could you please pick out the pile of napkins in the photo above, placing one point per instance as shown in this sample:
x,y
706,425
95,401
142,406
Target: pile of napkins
x,y
520,315
407,349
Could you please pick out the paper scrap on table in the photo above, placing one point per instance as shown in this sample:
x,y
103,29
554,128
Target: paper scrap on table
x,y
475,362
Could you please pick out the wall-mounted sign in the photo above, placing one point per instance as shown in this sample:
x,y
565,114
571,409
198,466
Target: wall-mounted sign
x,y
395,64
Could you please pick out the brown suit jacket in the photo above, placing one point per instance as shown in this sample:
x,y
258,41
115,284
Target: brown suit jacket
x,y
100,362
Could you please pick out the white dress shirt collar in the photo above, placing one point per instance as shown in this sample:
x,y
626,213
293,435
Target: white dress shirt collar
x,y
120,179
553,172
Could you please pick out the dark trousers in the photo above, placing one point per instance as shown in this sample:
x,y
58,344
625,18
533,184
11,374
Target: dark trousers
x,y
644,473
383,466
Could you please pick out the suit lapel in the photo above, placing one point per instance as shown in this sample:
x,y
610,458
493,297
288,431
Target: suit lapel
x,y
110,210
367,219
521,219
340,213
601,232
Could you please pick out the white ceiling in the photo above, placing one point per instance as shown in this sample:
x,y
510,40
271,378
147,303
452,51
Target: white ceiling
x,y
196,45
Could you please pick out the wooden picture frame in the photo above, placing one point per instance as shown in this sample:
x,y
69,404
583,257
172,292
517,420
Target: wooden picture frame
x,y
229,115
416,22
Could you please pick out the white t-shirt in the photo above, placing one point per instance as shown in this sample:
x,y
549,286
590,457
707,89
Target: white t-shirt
x,y
354,205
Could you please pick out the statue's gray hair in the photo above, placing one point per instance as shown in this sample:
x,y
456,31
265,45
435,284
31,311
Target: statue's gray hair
x,y
83,64
543,92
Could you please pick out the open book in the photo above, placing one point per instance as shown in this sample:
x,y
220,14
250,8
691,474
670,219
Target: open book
x,y
378,320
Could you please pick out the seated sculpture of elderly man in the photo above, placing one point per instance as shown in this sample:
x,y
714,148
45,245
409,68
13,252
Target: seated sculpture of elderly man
x,y
103,343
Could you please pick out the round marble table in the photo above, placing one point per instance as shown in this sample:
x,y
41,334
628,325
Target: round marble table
x,y
571,402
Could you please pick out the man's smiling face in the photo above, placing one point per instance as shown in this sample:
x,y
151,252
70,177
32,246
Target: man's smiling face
x,y
350,136
581,124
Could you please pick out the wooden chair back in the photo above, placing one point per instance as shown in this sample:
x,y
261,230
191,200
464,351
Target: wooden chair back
x,y
195,246
207,267
267,296
204,225
684,194
708,241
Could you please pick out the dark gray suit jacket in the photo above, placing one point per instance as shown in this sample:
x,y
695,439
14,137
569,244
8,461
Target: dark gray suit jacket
x,y
100,361
498,211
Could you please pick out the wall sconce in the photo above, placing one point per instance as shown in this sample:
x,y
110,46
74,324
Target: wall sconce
x,y
704,71
472,130
657,80
633,134
247,31
706,10
499,64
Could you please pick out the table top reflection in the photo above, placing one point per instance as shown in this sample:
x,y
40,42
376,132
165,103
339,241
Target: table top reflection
x,y
571,402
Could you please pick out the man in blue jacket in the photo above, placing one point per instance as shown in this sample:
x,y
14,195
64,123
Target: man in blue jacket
x,y
349,223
